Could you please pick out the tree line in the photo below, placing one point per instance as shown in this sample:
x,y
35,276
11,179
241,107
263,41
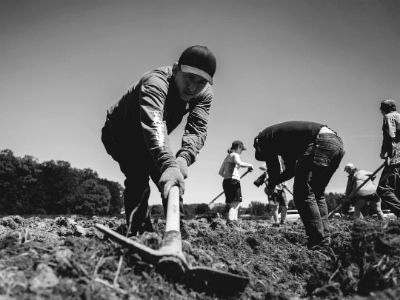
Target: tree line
x,y
54,187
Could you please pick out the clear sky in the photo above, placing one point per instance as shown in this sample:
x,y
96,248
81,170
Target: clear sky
x,y
63,63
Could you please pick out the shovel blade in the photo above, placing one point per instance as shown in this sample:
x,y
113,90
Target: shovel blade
x,y
210,280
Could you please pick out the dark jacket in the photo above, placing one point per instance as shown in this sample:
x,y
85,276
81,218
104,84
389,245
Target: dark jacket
x,y
288,140
152,109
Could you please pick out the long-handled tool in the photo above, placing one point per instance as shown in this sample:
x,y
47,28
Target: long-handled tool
x,y
220,194
170,260
348,198
287,189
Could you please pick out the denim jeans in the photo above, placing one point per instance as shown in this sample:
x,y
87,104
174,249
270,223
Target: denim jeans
x,y
389,188
312,174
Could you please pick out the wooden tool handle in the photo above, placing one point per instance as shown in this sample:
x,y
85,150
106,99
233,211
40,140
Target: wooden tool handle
x,y
173,213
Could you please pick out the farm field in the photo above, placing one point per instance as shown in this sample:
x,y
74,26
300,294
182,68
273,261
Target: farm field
x,y
67,258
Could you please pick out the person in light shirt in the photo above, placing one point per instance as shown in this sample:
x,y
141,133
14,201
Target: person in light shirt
x,y
231,184
366,194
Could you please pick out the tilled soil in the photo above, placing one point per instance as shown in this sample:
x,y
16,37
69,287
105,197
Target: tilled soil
x,y
67,258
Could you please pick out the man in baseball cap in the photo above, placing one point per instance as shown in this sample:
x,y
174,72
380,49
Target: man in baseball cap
x,y
198,60
136,130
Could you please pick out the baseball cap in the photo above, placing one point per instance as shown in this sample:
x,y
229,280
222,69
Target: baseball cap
x,y
198,60
236,144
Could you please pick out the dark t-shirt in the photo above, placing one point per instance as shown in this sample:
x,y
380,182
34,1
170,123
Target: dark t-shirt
x,y
288,140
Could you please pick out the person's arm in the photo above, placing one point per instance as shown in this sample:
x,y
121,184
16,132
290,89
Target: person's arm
x,y
349,186
152,96
273,171
239,162
369,174
196,128
388,134
288,172
391,126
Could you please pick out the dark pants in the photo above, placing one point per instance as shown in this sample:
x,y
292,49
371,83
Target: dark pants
x,y
313,173
135,162
389,188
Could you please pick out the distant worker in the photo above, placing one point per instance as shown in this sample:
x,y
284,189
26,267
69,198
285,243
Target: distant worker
x,y
231,184
277,199
311,153
364,195
389,183
136,130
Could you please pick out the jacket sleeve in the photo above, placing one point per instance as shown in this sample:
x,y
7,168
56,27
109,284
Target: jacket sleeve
x,y
349,186
391,126
196,129
273,170
152,96
288,171
389,133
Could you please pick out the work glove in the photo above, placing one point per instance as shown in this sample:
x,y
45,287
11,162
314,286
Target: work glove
x,y
183,167
170,177
250,168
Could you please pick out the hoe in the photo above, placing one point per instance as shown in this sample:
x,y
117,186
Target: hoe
x,y
170,260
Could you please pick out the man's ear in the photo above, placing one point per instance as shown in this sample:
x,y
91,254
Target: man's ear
x,y
175,68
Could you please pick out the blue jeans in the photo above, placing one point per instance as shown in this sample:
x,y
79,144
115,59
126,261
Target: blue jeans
x,y
389,188
313,172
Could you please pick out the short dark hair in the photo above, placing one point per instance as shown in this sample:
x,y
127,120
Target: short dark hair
x,y
388,105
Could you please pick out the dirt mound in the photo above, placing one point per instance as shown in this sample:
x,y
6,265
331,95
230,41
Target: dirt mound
x,y
66,258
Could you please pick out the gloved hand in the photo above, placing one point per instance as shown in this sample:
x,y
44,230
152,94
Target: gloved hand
x,y
170,177
183,167
250,168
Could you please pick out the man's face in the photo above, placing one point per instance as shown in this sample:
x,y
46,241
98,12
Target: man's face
x,y
188,84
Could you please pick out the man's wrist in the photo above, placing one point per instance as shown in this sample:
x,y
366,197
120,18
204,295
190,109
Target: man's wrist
x,y
184,155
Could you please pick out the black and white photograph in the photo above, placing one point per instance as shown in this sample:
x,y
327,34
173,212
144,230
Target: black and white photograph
x,y
209,149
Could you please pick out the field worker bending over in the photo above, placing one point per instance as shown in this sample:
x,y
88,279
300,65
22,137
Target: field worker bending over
x,y
136,130
389,183
231,184
311,153
366,194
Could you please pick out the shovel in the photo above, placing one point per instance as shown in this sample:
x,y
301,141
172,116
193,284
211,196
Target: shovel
x,y
170,261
